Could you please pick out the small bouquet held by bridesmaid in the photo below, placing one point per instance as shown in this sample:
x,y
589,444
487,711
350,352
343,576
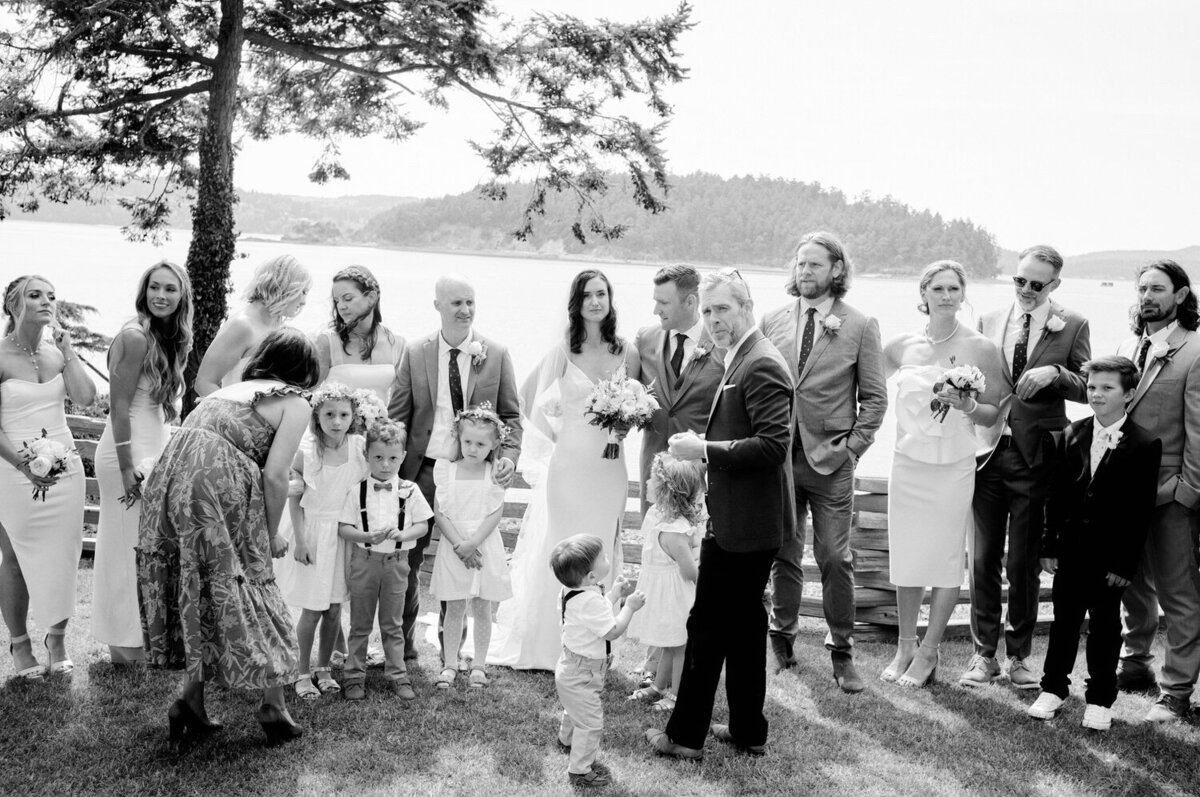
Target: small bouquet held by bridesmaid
x,y
618,404
47,458
966,379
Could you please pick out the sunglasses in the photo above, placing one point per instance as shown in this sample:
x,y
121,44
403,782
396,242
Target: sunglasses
x,y
1036,286
731,272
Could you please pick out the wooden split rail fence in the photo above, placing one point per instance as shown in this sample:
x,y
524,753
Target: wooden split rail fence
x,y
875,596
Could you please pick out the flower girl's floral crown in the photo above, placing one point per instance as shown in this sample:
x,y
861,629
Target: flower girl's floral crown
x,y
482,413
680,490
368,409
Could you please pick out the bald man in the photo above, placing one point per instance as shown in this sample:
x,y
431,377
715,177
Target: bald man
x,y
425,400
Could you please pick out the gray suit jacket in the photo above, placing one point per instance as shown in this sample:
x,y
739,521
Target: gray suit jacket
x,y
414,396
1167,406
841,396
681,408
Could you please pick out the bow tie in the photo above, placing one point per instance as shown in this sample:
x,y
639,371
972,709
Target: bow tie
x,y
383,485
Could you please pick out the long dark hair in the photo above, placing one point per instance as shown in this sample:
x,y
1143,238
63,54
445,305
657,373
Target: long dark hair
x,y
366,282
1187,312
169,339
608,327
285,355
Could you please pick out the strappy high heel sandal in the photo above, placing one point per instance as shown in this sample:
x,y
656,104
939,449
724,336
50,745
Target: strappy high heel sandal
x,y
63,666
907,681
34,673
890,675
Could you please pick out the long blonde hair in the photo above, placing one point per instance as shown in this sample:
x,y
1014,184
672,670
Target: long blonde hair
x,y
169,340
14,302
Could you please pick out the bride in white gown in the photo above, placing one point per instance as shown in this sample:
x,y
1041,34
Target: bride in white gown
x,y
576,491
40,537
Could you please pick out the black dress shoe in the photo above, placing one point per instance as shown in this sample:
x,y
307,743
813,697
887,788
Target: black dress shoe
x,y
722,734
845,673
1136,681
182,719
663,745
785,656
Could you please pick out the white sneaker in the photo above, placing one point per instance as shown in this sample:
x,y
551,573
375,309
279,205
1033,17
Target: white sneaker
x,y
1046,707
1098,718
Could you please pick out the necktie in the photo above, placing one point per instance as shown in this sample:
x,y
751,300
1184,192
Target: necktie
x,y
1021,352
456,393
677,356
382,486
1141,358
806,342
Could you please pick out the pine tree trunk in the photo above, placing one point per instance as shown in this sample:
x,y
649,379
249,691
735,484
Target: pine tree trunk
x,y
213,233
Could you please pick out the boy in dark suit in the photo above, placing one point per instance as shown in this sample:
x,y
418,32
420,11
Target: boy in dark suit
x,y
1103,482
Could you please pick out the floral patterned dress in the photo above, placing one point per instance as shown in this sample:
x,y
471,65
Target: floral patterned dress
x,y
209,602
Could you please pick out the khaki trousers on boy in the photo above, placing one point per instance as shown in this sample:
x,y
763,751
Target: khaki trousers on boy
x,y
377,583
579,682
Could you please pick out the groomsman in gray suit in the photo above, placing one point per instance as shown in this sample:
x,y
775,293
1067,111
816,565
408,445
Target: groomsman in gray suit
x,y
442,373
679,362
1167,405
836,362
1044,346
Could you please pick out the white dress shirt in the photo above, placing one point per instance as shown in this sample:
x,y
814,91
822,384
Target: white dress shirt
x,y
440,445
1099,444
689,344
733,350
383,511
823,308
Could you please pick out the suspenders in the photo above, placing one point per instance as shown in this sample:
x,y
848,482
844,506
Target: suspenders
x,y
571,594
362,508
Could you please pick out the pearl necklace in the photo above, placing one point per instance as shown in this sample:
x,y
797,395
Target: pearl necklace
x,y
32,355
940,340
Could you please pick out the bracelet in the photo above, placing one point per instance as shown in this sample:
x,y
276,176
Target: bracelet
x,y
126,443
68,362
973,408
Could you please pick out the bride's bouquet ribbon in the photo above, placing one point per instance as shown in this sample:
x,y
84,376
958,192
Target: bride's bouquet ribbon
x,y
618,404
968,380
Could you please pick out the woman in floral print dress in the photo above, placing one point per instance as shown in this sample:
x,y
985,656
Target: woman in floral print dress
x,y
209,529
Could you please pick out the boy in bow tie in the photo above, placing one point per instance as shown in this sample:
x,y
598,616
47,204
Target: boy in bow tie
x,y
383,518
1103,482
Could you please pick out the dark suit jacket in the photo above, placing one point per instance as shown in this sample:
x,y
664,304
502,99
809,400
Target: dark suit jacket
x,y
1045,411
1100,521
414,396
750,499
681,408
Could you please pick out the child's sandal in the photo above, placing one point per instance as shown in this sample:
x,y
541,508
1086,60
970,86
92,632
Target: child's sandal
x,y
305,689
325,681
446,678
647,694
666,704
478,678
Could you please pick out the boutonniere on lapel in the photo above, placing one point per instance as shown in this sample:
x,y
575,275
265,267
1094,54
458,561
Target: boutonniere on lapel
x,y
832,324
1162,352
478,351
699,352
1055,324
1111,439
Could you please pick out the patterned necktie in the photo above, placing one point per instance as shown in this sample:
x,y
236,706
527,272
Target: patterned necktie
x,y
456,393
677,356
806,342
1021,352
1141,358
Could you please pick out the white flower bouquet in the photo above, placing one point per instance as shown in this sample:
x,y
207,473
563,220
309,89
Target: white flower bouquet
x,y
968,380
618,404
369,410
46,459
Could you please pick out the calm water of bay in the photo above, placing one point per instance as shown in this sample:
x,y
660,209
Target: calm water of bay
x,y
521,302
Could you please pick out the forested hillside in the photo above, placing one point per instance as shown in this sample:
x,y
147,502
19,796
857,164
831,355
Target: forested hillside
x,y
711,220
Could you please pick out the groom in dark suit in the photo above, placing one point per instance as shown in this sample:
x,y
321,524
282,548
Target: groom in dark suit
x,y
746,446
442,373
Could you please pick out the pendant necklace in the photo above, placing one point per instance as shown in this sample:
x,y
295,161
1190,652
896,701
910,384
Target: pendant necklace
x,y
940,340
32,355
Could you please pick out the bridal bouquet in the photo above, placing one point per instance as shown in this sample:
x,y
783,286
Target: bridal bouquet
x,y
966,379
47,458
618,404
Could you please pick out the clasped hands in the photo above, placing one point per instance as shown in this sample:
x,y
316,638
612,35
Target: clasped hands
x,y
469,554
1050,565
686,445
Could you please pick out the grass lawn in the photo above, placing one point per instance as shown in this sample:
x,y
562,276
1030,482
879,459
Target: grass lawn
x,y
105,733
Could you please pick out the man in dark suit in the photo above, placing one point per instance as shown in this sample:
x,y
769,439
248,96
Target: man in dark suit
x,y
751,509
1103,478
442,373
1043,346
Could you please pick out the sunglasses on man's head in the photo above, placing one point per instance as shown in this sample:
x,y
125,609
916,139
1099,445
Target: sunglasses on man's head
x,y
1034,285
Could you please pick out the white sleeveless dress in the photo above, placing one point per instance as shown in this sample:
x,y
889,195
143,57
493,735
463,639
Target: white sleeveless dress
x,y
353,372
931,488
115,617
46,536
583,494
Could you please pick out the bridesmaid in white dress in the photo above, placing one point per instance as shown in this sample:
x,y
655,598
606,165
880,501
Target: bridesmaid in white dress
x,y
580,493
40,538
276,293
145,364
358,350
933,469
